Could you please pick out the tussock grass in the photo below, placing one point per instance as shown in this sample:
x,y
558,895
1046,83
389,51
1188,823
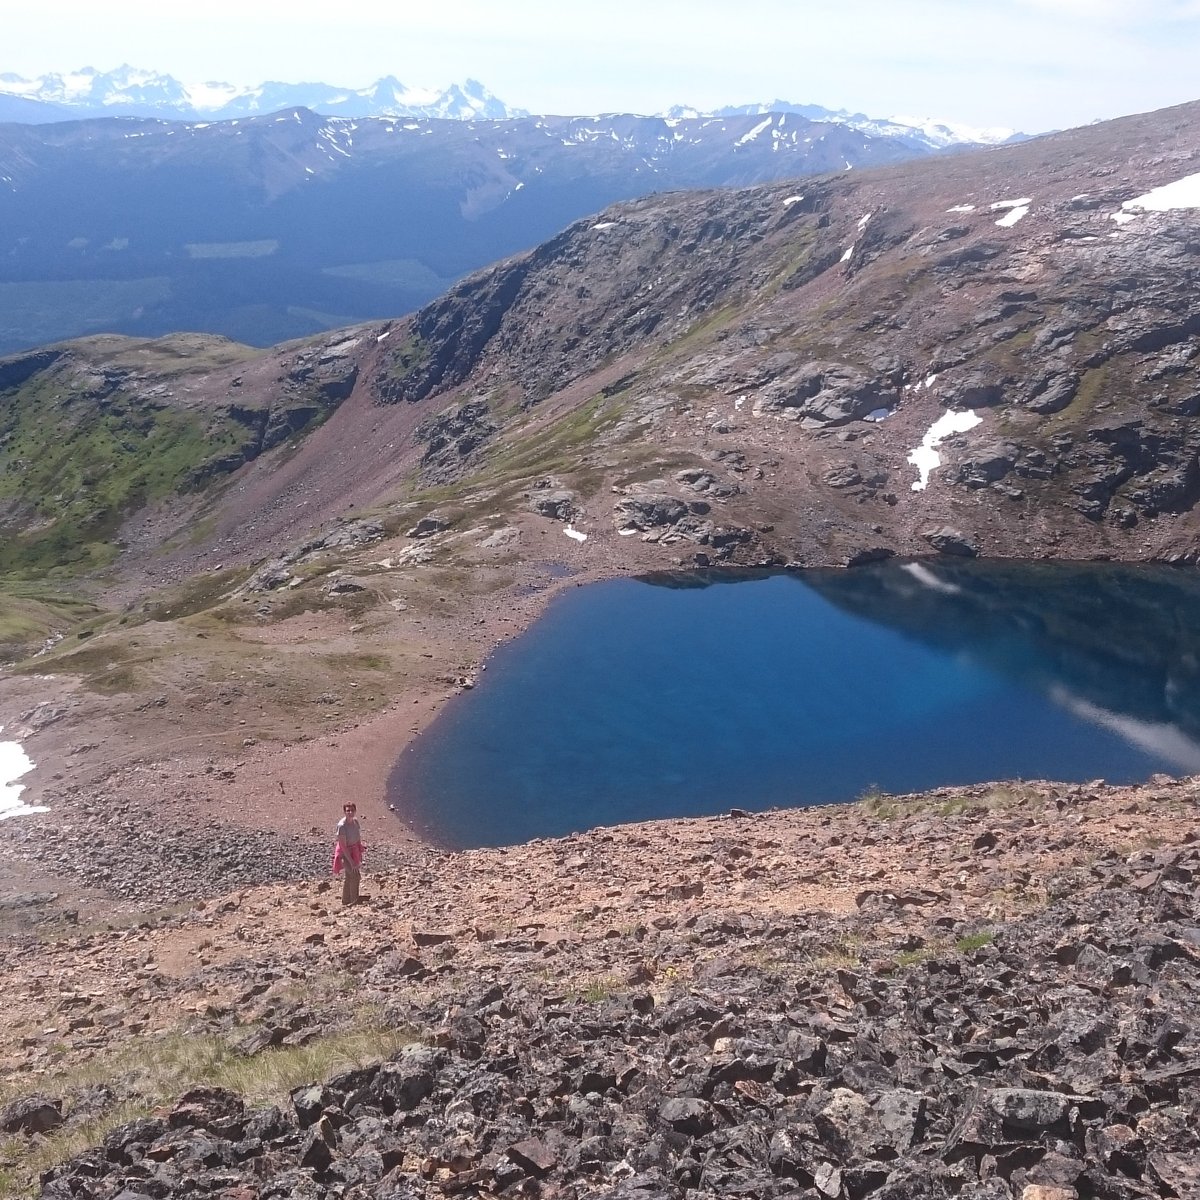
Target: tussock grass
x,y
31,612
155,1071
599,989
1001,798
845,952
974,941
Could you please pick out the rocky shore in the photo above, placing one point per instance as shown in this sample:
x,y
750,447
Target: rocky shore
x,y
986,992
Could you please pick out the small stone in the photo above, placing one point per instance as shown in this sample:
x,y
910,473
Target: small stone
x,y
688,1116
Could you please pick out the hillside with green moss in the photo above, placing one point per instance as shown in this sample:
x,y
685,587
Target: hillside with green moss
x,y
93,431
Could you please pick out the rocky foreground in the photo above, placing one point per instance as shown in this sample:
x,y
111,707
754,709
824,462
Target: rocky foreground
x,y
982,993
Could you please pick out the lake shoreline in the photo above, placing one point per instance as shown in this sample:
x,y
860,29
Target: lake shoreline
x,y
280,796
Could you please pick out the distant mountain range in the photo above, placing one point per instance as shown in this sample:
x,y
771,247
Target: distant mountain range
x,y
277,211
277,226
132,92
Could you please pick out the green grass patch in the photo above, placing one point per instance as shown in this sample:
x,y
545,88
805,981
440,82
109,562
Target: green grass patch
x,y
556,447
157,1070
75,460
404,357
105,665
198,595
1000,798
707,325
1093,385
596,991
164,357
878,803
911,958
30,614
974,941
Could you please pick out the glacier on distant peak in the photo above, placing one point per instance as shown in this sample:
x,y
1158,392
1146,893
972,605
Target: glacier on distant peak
x,y
132,91
925,132
135,92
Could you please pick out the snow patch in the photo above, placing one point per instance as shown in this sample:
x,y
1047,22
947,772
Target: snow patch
x,y
925,457
1013,215
1183,193
14,763
962,208
749,137
862,221
788,201
847,252
575,535
601,226
1024,202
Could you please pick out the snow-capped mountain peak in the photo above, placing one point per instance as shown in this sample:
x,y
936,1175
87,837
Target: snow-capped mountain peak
x,y
950,133
921,132
132,91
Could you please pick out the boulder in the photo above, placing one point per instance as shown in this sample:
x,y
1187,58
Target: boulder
x,y
649,510
1052,392
824,395
980,388
428,526
987,463
345,585
31,1114
948,540
558,505
688,1115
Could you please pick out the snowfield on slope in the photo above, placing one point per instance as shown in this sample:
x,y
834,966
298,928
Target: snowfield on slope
x,y
1183,193
925,457
14,763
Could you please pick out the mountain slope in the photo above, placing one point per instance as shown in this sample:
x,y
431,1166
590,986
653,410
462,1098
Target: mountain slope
x,y
93,431
749,377
281,226
813,337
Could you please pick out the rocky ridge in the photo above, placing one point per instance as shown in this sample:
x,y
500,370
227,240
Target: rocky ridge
x,y
805,340
784,351
750,1005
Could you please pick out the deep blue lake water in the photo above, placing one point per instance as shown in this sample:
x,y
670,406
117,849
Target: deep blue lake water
x,y
686,695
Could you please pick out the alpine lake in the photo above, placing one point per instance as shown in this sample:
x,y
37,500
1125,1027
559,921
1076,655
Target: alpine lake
x,y
691,694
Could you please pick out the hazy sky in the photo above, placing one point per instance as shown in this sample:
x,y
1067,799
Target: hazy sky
x,y
1032,64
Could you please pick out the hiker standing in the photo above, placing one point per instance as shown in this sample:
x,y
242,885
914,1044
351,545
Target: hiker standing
x,y
347,854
